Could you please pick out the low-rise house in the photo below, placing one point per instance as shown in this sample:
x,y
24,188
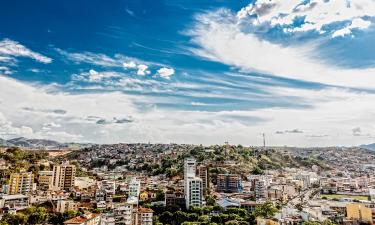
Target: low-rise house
x,y
85,219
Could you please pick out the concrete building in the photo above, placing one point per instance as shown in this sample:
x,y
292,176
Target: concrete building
x,y
359,212
64,205
194,192
193,186
45,180
63,176
17,202
230,183
174,198
203,174
134,188
259,185
21,183
123,214
144,216
190,166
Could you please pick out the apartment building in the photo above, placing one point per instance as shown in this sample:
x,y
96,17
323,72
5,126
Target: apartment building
x,y
45,180
230,183
21,183
63,176
144,216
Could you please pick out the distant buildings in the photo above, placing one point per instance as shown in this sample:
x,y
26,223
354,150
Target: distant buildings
x,y
63,176
231,183
21,183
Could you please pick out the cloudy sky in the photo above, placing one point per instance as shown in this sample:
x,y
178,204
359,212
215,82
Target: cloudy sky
x,y
197,71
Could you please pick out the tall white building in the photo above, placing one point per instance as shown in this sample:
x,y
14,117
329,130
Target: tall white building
x,y
193,185
194,192
190,166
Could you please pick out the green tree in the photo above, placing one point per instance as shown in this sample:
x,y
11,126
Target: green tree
x,y
36,215
265,210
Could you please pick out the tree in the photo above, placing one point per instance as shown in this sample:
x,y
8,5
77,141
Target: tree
x,y
257,171
265,210
210,200
17,219
37,215
160,196
166,217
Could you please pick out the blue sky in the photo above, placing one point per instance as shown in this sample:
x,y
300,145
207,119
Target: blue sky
x,y
303,72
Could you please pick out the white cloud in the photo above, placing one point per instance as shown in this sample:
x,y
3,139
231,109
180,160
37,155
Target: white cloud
x,y
142,70
10,49
5,70
221,39
317,14
130,65
166,72
357,23
332,111
90,58
95,76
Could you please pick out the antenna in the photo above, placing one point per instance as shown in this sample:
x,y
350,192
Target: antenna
x,y
264,140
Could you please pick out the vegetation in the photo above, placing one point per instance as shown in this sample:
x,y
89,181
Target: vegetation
x,y
212,214
338,197
37,215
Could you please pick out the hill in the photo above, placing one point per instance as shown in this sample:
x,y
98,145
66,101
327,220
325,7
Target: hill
x,y
368,146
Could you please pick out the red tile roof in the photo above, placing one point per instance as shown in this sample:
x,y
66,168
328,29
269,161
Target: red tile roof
x,y
82,219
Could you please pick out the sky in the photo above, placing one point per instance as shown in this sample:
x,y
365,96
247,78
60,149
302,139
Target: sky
x,y
197,71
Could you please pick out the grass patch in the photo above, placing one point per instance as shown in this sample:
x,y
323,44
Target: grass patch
x,y
337,196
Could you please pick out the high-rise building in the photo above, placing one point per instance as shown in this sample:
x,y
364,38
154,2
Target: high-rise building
x,y
21,183
63,176
203,174
193,185
45,179
190,165
194,192
231,183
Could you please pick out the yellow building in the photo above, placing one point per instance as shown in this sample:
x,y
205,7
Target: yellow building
x,y
261,221
359,212
21,183
45,179
143,196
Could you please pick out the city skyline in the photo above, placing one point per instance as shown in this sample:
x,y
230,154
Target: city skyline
x,y
202,72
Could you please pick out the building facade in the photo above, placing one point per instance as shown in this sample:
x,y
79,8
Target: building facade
x,y
230,183
21,183
63,176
